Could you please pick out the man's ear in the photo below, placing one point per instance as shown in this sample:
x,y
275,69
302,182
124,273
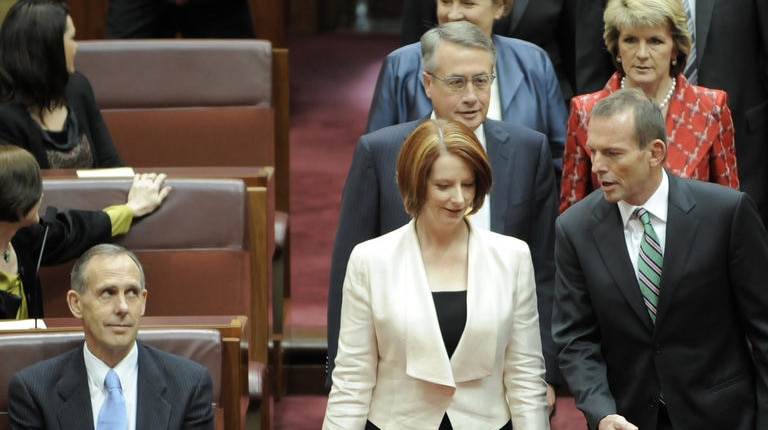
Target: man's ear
x,y
73,301
427,80
658,150
143,293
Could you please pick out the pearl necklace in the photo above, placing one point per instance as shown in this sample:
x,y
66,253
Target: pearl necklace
x,y
667,97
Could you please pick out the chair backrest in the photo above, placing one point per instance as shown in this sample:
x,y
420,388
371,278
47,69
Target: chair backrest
x,y
19,350
194,248
192,102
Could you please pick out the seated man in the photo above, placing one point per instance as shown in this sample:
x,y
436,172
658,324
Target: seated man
x,y
112,381
458,61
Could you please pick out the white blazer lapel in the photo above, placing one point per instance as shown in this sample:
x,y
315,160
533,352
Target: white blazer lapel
x,y
475,354
425,354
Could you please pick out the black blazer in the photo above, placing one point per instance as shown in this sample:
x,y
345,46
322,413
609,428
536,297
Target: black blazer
x,y
523,205
173,393
712,305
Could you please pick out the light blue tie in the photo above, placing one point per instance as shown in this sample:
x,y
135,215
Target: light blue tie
x,y
113,415
691,70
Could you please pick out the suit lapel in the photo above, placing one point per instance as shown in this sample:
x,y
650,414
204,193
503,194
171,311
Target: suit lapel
x,y
475,354
426,357
76,411
500,151
425,354
152,409
704,10
608,236
681,233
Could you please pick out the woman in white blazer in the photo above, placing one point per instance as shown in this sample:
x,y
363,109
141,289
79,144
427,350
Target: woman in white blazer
x,y
439,325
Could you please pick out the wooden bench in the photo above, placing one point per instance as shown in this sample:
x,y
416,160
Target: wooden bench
x,y
191,102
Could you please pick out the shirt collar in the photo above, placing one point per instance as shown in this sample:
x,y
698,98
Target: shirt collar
x,y
657,205
97,369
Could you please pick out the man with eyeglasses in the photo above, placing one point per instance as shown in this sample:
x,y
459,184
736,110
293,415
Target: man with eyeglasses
x,y
526,90
458,71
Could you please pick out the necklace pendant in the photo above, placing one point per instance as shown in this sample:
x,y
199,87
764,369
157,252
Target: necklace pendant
x,y
7,255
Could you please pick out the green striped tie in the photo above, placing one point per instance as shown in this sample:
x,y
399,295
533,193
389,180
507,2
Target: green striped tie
x,y
649,264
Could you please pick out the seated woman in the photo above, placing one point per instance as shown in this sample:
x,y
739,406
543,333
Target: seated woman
x,y
649,41
27,241
439,322
48,108
526,90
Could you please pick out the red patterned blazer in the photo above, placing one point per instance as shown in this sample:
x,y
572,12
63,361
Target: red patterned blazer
x,y
699,128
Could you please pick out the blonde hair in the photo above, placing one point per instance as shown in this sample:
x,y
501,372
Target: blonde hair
x,y
625,14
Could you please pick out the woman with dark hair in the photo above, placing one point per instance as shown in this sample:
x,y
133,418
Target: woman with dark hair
x,y
439,321
27,241
48,108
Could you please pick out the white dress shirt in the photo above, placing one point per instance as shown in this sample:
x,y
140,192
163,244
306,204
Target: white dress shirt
x,y
127,370
657,206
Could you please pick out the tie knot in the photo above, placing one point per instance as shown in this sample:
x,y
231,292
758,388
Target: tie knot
x,y
643,215
112,381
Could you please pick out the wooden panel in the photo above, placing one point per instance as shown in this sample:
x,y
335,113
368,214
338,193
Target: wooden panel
x,y
268,17
89,17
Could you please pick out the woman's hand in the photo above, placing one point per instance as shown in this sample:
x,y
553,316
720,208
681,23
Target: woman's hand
x,y
147,193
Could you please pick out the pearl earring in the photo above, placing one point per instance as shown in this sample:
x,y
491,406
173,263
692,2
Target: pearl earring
x,y
674,62
618,59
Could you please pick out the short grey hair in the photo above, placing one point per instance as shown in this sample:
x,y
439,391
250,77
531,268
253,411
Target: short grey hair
x,y
462,33
79,276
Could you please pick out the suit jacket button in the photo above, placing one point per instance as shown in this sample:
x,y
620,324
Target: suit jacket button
x,y
653,403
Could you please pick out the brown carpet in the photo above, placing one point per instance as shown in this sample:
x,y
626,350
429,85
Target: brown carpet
x,y
332,80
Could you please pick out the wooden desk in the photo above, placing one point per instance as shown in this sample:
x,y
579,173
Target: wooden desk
x,y
234,378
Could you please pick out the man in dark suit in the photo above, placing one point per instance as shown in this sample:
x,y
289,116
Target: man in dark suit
x,y
660,298
158,390
731,41
523,200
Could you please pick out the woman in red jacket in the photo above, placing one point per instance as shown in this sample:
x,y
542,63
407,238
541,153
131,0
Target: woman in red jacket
x,y
649,42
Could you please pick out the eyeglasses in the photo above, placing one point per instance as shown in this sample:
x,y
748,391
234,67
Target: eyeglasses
x,y
458,83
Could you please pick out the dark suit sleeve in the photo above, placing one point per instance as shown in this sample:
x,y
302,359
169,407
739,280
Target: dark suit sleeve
x,y
592,63
80,96
542,242
418,17
23,410
749,272
70,233
358,221
576,333
762,17
199,412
